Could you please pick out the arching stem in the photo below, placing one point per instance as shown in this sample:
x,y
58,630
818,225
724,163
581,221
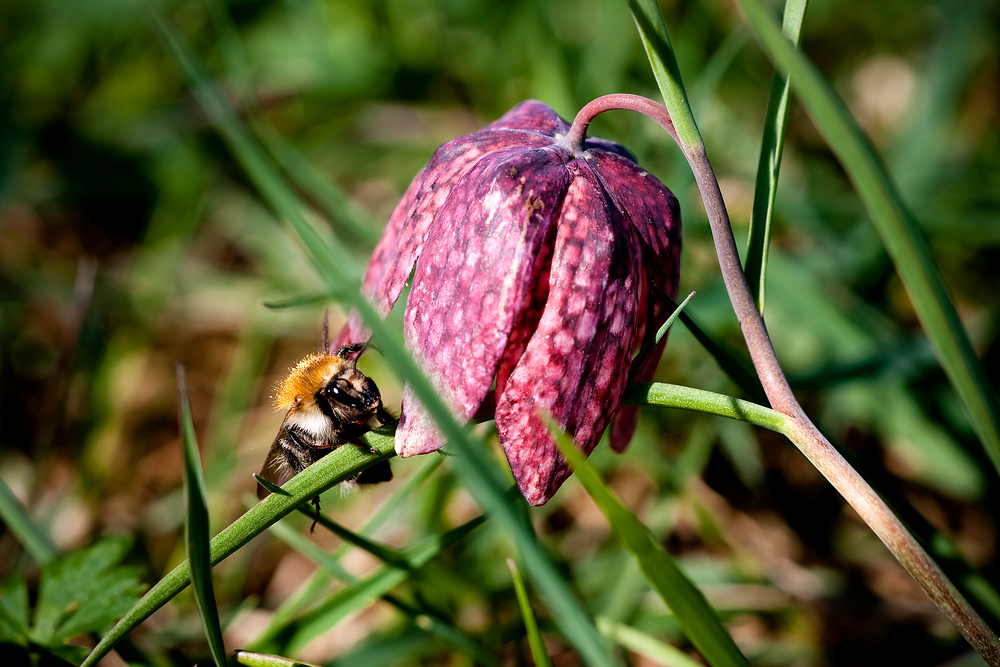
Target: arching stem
x,y
800,430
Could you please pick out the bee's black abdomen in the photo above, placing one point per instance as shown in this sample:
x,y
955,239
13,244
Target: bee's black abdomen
x,y
378,473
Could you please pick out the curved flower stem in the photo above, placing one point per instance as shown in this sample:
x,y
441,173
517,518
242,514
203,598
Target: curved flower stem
x,y
799,429
663,395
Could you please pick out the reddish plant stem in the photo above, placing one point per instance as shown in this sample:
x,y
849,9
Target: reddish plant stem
x,y
802,432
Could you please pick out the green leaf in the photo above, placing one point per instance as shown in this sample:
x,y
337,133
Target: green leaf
x,y
656,41
71,654
196,529
895,224
84,592
14,611
661,332
695,616
301,301
535,640
643,644
251,659
28,533
766,186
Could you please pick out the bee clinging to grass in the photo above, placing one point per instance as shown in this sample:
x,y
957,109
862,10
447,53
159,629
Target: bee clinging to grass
x,y
330,403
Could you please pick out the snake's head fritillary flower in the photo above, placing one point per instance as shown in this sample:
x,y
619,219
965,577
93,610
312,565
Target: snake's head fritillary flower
x,y
536,259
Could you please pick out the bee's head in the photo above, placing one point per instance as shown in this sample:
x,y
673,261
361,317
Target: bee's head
x,y
351,394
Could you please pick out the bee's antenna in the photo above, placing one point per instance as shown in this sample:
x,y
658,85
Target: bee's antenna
x,y
324,344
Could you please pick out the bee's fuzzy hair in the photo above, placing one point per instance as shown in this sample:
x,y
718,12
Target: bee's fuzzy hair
x,y
307,378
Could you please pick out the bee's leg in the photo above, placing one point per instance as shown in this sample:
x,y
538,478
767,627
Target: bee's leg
x,y
384,416
351,352
356,440
315,502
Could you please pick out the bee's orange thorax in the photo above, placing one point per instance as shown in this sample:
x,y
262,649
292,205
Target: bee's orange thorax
x,y
307,378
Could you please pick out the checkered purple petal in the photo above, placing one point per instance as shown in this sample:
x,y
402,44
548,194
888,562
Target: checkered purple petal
x,y
574,366
473,279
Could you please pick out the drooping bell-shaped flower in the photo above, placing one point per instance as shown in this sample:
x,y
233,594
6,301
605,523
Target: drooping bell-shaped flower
x,y
536,259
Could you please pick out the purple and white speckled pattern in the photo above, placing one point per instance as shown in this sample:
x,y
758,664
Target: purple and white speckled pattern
x,y
473,278
644,200
533,267
404,235
576,364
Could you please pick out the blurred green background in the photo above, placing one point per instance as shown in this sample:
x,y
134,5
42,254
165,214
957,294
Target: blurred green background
x,y
130,239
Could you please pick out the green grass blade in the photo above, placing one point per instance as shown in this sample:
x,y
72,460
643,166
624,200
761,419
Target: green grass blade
x,y
380,551
345,602
670,320
895,224
438,627
337,206
285,613
643,644
479,475
695,616
766,186
196,529
661,332
342,464
655,40
738,370
535,640
305,546
15,516
251,659
427,622
434,625
359,594
331,261
300,301
348,217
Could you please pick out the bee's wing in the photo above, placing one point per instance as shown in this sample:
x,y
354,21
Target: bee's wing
x,y
276,469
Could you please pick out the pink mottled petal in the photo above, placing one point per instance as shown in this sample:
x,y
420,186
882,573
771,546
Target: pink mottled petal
x,y
595,143
405,233
416,432
531,313
531,116
652,209
655,214
573,365
627,417
473,278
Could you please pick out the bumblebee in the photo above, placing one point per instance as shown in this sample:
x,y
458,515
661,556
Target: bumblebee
x,y
330,403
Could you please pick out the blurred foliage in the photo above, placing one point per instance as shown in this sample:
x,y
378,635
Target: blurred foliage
x,y
106,160
80,593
